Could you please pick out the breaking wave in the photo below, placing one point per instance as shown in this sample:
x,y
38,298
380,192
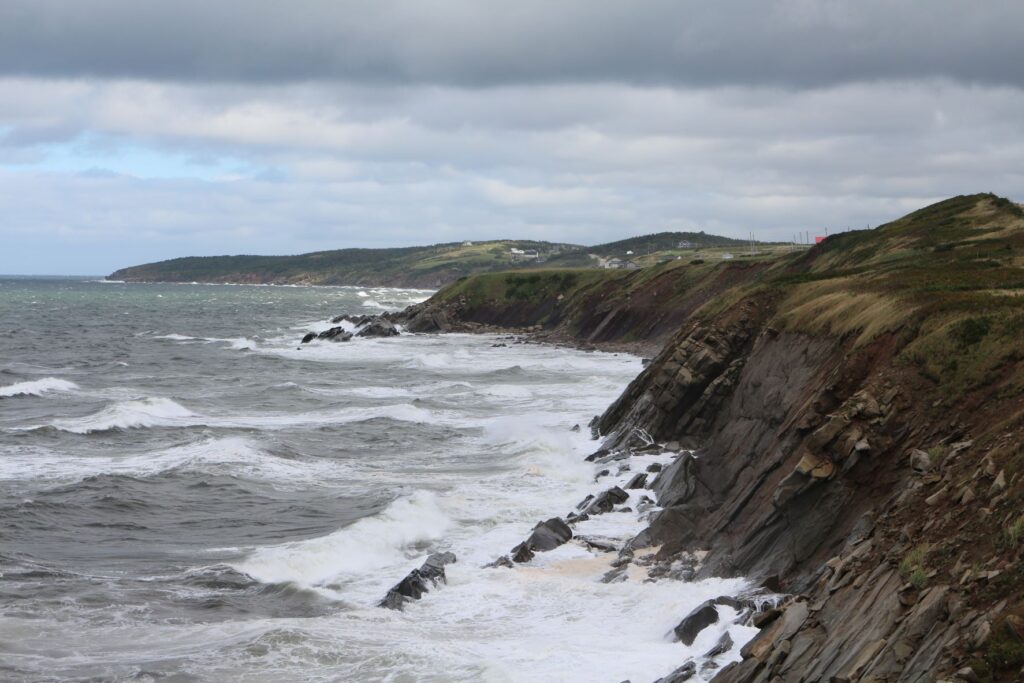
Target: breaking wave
x,y
371,544
37,387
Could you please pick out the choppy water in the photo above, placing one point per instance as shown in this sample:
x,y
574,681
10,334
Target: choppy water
x,y
186,495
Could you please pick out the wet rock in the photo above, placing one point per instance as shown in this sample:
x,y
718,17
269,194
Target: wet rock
x,y
723,645
418,581
354,319
575,428
502,561
545,536
638,481
605,545
522,553
683,673
309,337
548,535
622,561
617,575
426,321
378,328
645,504
583,503
654,467
335,334
696,621
678,482
602,473
606,501
762,619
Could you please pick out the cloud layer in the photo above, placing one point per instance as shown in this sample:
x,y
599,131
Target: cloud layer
x,y
478,44
139,131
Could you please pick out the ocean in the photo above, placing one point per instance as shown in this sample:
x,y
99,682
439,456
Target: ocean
x,y
189,494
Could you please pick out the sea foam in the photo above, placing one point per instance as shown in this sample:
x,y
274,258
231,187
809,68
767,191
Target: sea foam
x,y
37,387
375,543
147,412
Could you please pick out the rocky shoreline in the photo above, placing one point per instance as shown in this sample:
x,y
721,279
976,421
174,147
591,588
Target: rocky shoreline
x,y
850,430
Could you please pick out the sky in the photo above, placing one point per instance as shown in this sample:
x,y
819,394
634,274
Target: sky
x,y
133,131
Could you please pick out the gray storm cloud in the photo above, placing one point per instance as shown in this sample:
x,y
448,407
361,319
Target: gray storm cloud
x,y
135,131
792,43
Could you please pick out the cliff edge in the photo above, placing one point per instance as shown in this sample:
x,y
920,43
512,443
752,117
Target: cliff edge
x,y
856,413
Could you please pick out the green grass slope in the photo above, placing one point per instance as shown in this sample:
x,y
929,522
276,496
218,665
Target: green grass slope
x,y
429,266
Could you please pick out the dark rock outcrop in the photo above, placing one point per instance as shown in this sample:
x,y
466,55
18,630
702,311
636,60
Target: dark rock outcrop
x,y
336,334
418,581
378,328
637,481
683,673
606,501
702,616
547,535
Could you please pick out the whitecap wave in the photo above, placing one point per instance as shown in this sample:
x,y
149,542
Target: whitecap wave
x,y
163,412
234,456
37,387
147,412
177,337
369,545
237,343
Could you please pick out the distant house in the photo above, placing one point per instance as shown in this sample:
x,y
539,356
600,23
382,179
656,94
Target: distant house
x,y
818,239
726,256
467,243
524,254
617,263
685,244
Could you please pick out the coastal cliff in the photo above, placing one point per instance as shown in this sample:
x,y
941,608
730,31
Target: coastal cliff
x,y
857,419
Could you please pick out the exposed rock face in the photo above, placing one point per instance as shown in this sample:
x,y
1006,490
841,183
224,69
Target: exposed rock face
x,y
336,334
418,581
606,501
549,535
378,328
856,418
683,673
696,621
812,474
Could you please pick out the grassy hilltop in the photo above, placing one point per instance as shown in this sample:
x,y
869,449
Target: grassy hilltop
x,y
951,274
429,266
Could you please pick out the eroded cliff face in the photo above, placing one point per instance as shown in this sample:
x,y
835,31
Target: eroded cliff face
x,y
808,476
857,419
